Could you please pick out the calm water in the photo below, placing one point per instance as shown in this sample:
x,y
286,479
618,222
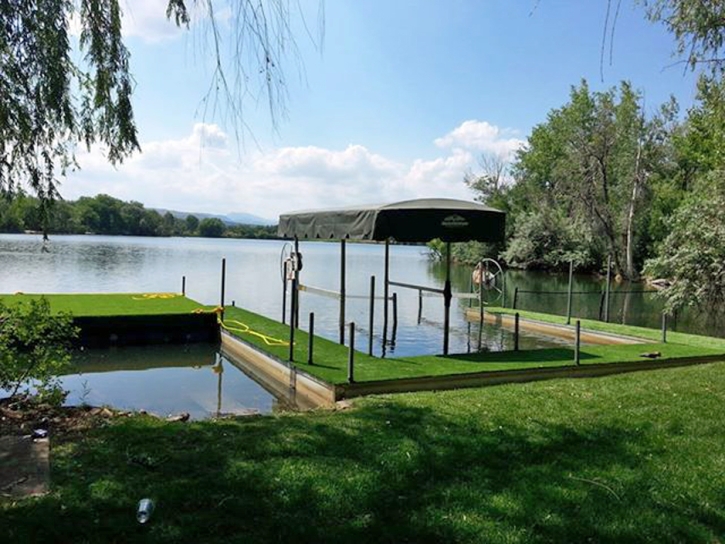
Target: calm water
x,y
166,380
126,264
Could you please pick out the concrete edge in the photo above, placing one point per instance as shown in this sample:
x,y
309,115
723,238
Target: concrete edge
x,y
279,375
588,336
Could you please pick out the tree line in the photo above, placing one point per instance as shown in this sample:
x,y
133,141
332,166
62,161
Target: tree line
x,y
103,214
607,176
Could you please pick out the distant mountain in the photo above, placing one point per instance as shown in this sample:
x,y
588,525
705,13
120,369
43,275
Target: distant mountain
x,y
249,219
229,219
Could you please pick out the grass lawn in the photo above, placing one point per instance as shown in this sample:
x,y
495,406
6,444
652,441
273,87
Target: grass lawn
x,y
331,359
118,304
630,458
626,330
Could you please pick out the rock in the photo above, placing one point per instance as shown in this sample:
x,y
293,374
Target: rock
x,y
106,412
183,417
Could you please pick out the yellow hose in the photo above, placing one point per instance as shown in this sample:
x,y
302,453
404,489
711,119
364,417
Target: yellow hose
x,y
150,296
244,329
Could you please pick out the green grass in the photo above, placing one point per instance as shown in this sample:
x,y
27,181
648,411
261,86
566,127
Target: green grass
x,y
330,359
626,330
631,458
117,304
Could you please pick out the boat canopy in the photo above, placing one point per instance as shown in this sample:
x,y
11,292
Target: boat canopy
x,y
419,220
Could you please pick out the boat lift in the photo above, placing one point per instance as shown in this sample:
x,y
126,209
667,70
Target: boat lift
x,y
411,221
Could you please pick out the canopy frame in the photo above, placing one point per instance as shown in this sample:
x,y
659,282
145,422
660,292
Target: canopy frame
x,y
418,220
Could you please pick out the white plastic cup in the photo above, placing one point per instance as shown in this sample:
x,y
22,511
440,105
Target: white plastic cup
x,y
144,510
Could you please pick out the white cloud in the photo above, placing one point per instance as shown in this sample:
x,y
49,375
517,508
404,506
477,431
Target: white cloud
x,y
482,136
202,172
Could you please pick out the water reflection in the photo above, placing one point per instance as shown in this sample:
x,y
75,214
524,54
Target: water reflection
x,y
166,380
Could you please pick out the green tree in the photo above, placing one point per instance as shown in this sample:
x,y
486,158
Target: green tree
x,y
594,160
693,254
211,227
698,27
192,224
34,347
50,102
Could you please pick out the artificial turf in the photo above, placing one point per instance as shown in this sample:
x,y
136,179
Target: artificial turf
x,y
330,358
115,304
630,458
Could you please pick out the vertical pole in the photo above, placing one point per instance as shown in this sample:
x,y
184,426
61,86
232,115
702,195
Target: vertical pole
x,y
516,297
224,281
608,287
351,356
295,321
311,339
395,319
516,331
386,288
664,328
568,294
183,285
292,313
480,310
601,306
447,299
342,292
420,306
284,293
371,325
577,341
503,297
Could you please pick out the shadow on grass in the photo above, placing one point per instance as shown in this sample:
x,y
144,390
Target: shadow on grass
x,y
385,472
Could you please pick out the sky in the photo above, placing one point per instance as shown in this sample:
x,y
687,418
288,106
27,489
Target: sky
x,y
387,100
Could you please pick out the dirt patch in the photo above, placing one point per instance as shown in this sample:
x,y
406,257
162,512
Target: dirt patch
x,y
22,416
24,470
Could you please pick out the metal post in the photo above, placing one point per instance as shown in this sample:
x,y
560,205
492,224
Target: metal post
x,y
516,297
420,306
606,296
351,356
480,311
577,341
183,285
601,306
664,328
386,287
516,331
311,339
568,295
395,319
447,300
292,312
224,281
284,294
371,326
342,292
503,297
296,287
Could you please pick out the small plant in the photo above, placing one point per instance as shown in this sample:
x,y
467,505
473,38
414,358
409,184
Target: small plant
x,y
34,349
85,391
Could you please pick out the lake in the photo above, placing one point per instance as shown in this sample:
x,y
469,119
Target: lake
x,y
108,264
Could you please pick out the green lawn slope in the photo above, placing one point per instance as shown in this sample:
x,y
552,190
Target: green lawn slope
x,y
629,458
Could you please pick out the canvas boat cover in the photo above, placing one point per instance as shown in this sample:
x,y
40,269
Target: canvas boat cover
x,y
418,220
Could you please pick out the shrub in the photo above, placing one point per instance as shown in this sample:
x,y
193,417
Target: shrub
x,y
34,348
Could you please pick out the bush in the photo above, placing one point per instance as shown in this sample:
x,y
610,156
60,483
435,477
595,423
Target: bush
x,y
546,240
34,348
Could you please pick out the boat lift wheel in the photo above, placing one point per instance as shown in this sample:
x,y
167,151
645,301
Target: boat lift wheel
x,y
487,280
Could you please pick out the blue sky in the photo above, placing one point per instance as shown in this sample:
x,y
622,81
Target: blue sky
x,y
399,102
